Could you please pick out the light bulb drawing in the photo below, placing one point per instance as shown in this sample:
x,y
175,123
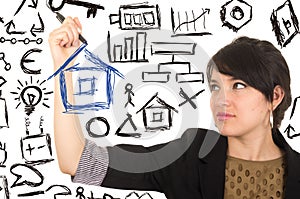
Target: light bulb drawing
x,y
31,95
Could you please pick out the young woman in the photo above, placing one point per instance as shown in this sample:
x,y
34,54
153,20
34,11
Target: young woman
x,y
250,91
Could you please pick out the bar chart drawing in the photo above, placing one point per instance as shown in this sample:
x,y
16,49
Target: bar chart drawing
x,y
132,49
189,23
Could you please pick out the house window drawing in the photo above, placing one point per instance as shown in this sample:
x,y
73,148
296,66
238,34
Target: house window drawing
x,y
157,114
86,86
93,89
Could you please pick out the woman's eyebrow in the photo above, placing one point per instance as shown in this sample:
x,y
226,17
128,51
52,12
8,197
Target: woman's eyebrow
x,y
213,81
236,79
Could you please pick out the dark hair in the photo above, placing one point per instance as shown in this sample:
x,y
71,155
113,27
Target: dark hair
x,y
260,65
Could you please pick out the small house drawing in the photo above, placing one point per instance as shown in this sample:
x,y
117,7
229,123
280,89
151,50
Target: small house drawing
x,y
94,86
157,114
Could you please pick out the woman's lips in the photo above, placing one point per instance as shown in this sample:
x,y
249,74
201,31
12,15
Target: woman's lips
x,y
222,116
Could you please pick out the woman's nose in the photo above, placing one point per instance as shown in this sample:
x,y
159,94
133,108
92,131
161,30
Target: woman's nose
x,y
223,98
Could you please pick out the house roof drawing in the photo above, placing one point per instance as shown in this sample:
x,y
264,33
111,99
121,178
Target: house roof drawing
x,y
152,103
156,121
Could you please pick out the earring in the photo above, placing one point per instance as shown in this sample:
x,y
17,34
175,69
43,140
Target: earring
x,y
271,119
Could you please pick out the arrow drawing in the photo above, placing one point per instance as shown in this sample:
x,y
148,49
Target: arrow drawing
x,y
189,23
289,131
294,106
40,29
33,5
11,25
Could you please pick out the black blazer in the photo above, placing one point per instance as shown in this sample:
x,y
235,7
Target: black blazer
x,y
199,173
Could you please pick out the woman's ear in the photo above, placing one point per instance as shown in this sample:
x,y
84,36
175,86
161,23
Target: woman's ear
x,y
278,95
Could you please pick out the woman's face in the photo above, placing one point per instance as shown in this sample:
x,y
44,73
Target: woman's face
x,y
238,109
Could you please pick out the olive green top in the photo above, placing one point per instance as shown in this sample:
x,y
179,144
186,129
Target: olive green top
x,y
245,179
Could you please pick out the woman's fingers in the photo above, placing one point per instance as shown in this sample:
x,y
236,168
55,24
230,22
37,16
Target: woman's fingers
x,y
64,40
67,34
76,20
72,29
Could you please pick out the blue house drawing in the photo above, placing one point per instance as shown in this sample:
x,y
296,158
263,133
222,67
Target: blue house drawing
x,y
87,92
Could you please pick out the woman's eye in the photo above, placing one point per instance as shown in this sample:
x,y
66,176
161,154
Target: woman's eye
x,y
214,87
239,85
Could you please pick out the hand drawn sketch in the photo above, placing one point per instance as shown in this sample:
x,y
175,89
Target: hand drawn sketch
x,y
26,175
25,60
68,61
134,195
189,99
53,188
105,196
31,95
64,192
291,131
91,131
11,29
7,66
80,194
34,4
25,41
235,14
157,114
35,28
140,16
85,91
4,192
3,112
189,23
3,154
36,149
129,92
40,28
132,49
285,23
92,8
162,75
127,134
2,81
